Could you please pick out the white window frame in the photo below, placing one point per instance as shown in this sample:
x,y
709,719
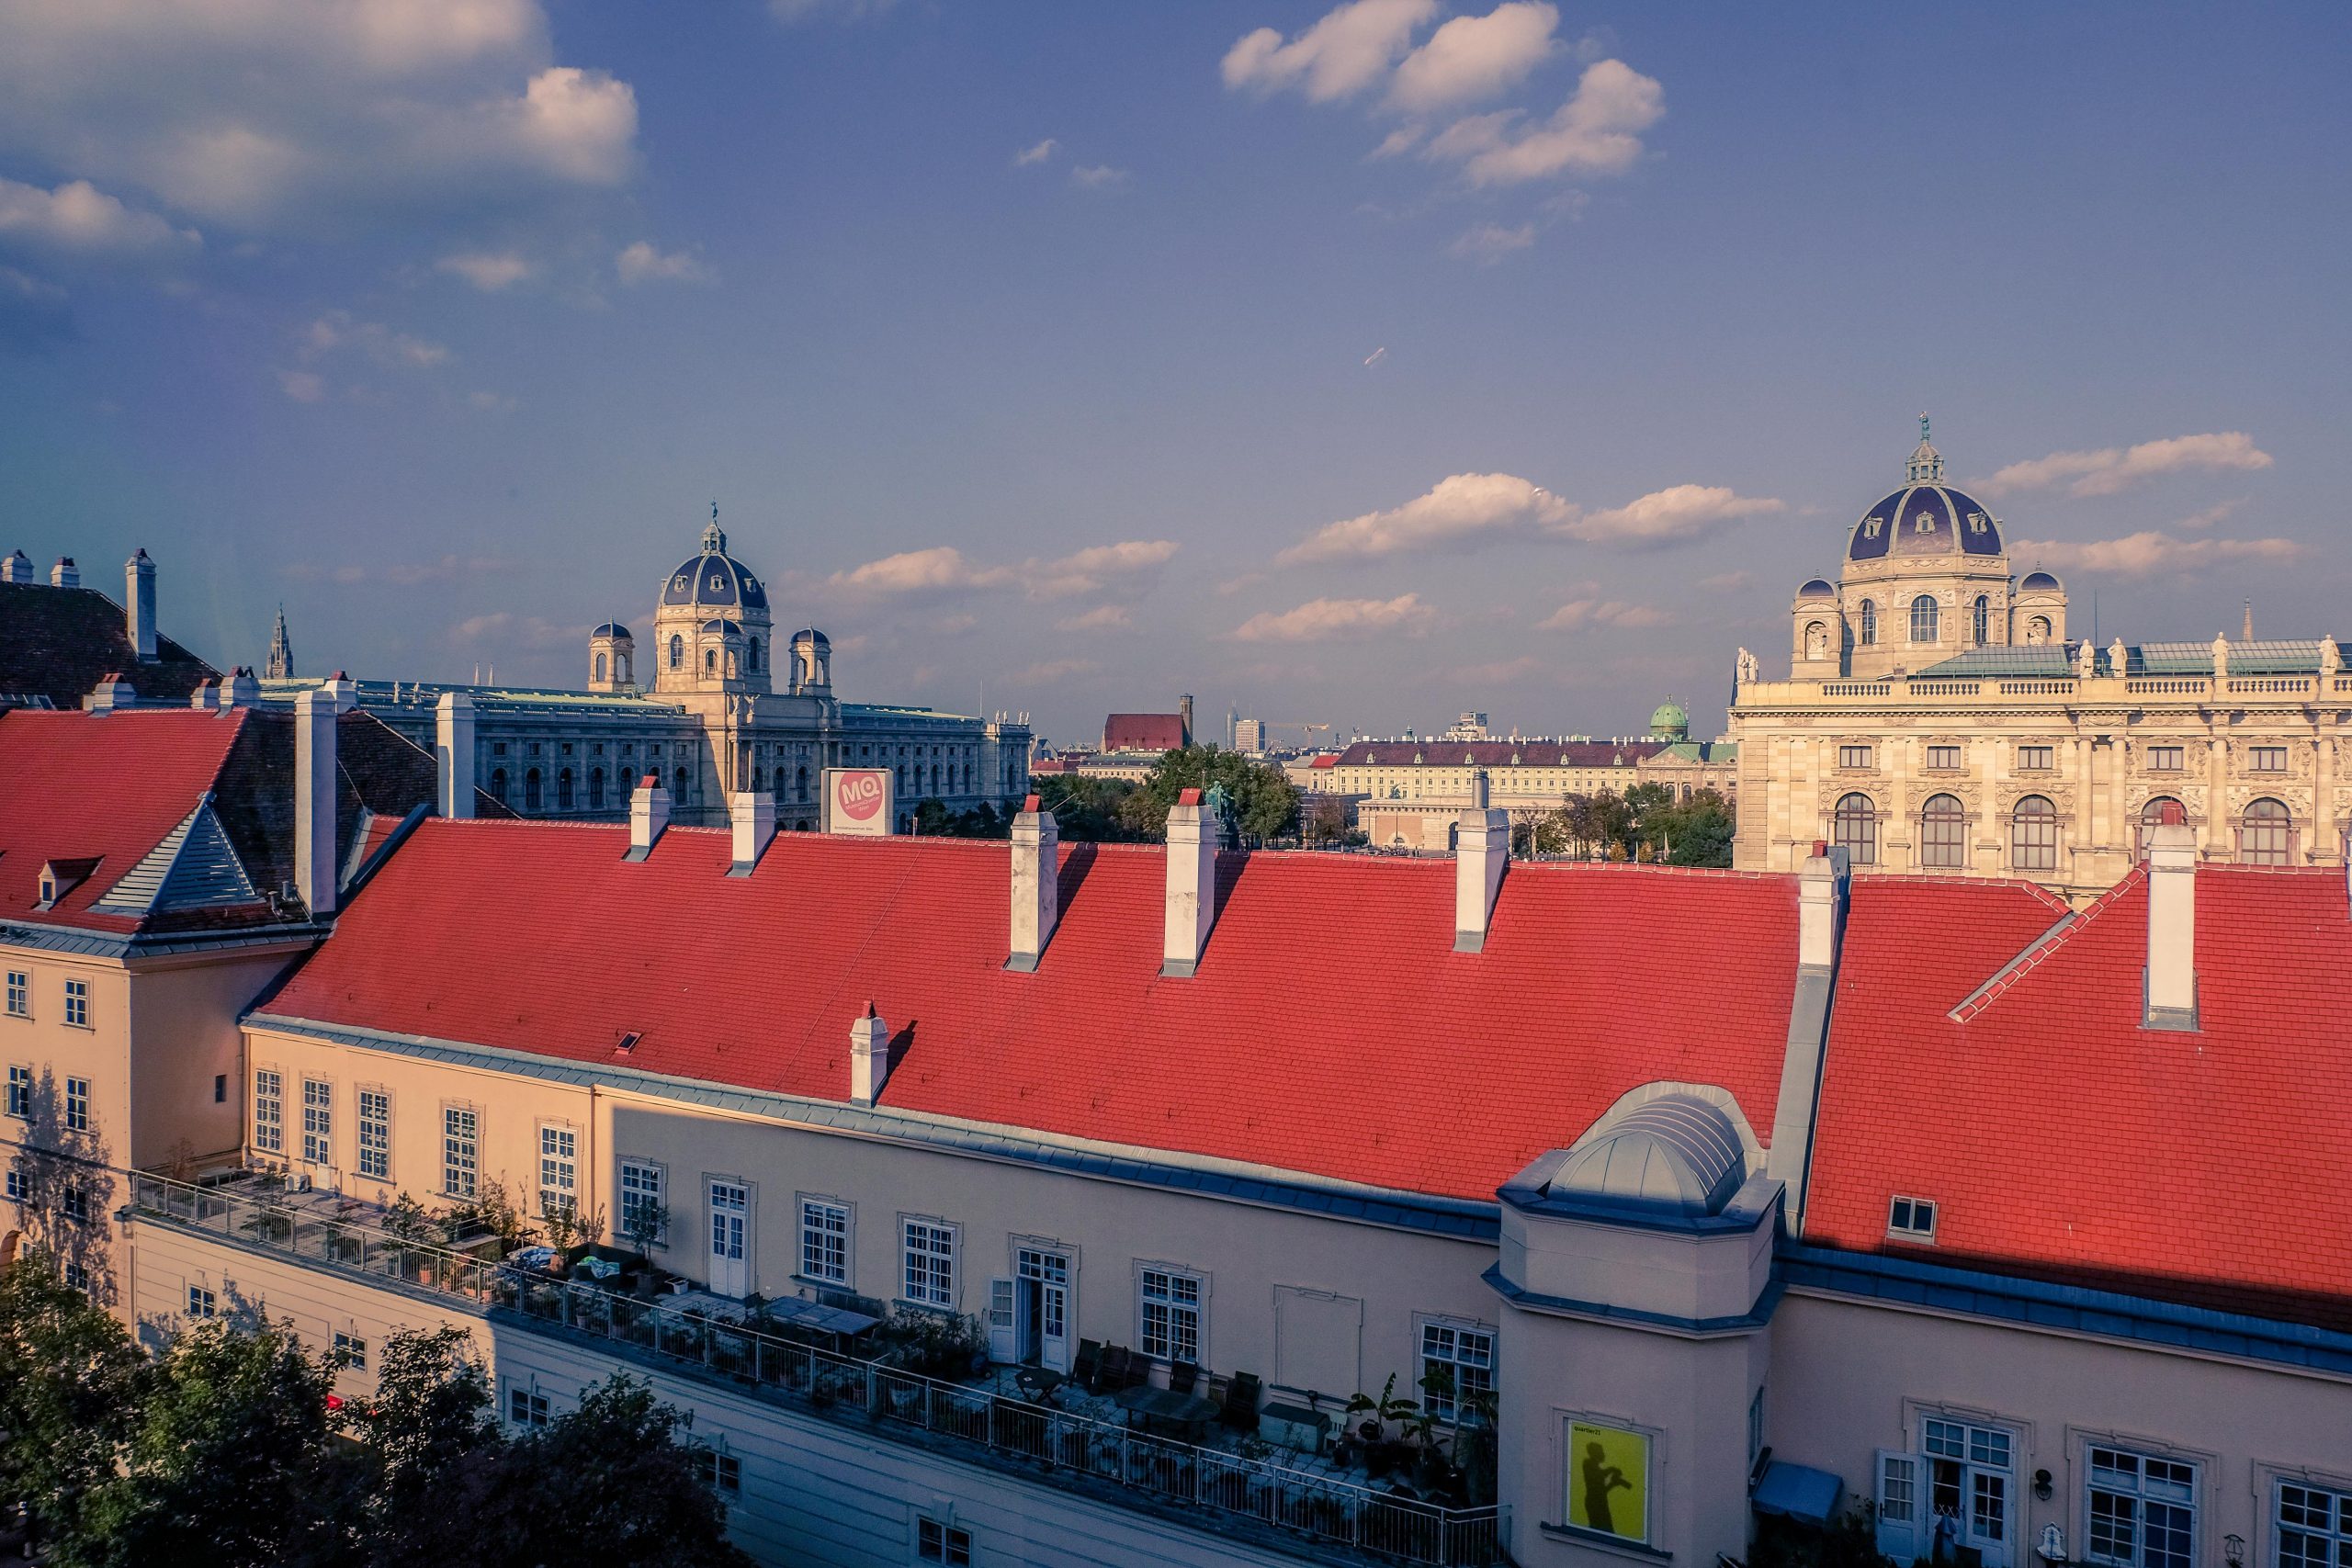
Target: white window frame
x,y
20,1091
921,1267
269,1111
1564,1447
2334,1537
20,993
1156,1293
1903,1217
374,1149
77,1004
820,1208
1856,757
77,1105
317,1121
469,1167
350,1350
558,1170
630,1181
202,1303
1443,1341
526,1408
2130,1492
720,1471
939,1541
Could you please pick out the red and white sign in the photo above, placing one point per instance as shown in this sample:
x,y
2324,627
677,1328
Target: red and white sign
x,y
858,800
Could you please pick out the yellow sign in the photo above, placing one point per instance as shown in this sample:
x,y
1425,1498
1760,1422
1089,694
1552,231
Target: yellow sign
x,y
1609,1481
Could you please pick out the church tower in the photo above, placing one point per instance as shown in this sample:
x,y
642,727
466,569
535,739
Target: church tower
x,y
280,665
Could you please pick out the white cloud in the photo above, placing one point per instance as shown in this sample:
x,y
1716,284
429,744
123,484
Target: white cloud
x,y
1052,669
1099,177
943,570
641,263
797,11
2112,468
1037,154
940,569
1471,57
1726,582
79,216
1087,571
1459,511
339,329
491,402
1500,674
1617,612
1102,618
1352,47
489,271
2150,554
1669,516
1400,140
1328,620
1597,131
303,386
1490,243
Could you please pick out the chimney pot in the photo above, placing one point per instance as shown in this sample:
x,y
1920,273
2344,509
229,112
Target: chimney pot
x,y
869,1058
648,814
1036,886
1481,853
64,574
1191,908
17,568
314,799
752,813
453,754
2171,979
1821,907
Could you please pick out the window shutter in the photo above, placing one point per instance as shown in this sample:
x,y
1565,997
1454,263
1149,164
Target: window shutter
x,y
1001,1344
1902,1506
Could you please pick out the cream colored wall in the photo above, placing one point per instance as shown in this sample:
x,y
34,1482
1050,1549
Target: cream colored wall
x,y
184,1034
1849,1378
57,1051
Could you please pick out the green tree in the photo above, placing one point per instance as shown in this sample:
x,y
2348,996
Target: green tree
x,y
1649,813
1697,831
1265,801
1086,810
71,1386
935,821
433,1413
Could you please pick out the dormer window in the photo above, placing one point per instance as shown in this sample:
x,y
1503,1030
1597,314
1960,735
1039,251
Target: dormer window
x,y
60,877
1911,1219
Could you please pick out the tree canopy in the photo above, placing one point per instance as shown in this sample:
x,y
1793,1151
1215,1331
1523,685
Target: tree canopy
x,y
1646,823
1265,802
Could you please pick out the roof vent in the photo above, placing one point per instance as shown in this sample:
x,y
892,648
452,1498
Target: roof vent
x,y
627,1042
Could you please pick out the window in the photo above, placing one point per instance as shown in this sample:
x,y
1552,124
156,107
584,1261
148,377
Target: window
x,y
1923,619
600,667
2267,837
77,1105
563,790
677,652
2267,759
1870,621
1462,1363
936,1543
2315,1527
1170,1317
498,786
76,1203
2036,759
720,1472
318,1121
2033,835
350,1350
77,1003
559,1172
595,789
20,1093
527,1407
1946,758
20,994
460,1150
531,795
77,1277
931,1263
2143,1510
1853,756
1981,620
1943,832
2167,759
219,1088
1854,828
1912,1217
270,1115
824,1241
21,1185
202,1302
376,1134
1968,1476
645,1220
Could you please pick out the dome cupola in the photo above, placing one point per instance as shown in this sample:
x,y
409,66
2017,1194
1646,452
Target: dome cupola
x,y
711,625
1926,517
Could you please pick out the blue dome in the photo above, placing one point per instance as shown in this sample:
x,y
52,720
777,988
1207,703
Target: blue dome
x,y
2037,582
613,629
715,579
813,636
724,627
1925,520
1817,588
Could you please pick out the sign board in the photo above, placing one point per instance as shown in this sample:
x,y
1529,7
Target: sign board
x,y
859,801
1609,1479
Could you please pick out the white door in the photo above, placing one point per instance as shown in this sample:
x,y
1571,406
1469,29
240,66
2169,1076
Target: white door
x,y
1045,1296
1971,1476
1003,1344
730,1263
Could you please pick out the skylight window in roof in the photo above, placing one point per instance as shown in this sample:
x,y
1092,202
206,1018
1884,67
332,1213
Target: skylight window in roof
x,y
1911,1219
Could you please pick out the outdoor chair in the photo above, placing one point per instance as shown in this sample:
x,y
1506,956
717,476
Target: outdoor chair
x,y
1089,1361
1183,1375
1111,1375
1239,1407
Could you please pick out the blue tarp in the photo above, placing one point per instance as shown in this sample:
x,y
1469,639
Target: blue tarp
x,y
1798,1491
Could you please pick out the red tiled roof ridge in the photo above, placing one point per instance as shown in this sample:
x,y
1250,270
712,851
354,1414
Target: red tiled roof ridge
x,y
1950,879
2038,951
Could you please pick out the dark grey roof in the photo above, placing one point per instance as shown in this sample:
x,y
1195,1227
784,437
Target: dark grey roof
x,y
612,628
1924,518
2037,580
1676,1155
1817,588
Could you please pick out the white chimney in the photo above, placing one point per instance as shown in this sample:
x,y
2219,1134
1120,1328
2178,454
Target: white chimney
x,y
753,814
869,1058
1481,850
2172,927
648,814
237,689
112,692
1821,898
206,695
315,793
138,603
453,754
343,690
64,574
1192,886
17,568
1036,884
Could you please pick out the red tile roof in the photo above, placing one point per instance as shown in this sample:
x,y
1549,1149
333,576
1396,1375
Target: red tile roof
x,y
1142,732
1331,1028
112,785
1500,754
2058,1138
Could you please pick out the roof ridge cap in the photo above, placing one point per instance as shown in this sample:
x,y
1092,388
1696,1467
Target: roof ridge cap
x,y
2038,951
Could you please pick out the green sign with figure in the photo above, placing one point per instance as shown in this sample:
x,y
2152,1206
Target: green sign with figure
x,y
1609,1479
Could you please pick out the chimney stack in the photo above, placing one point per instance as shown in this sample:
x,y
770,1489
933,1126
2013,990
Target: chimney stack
x,y
112,692
206,695
753,814
1821,906
869,1058
1036,884
1482,851
453,755
2171,979
64,574
17,568
138,603
1192,886
648,814
237,688
343,690
314,796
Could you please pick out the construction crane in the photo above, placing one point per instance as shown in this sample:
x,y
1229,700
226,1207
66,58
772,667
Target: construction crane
x,y
1266,724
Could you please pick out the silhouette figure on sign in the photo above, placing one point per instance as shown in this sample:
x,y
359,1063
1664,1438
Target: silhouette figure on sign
x,y
1601,1478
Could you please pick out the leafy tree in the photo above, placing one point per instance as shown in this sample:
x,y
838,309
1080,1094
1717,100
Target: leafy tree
x,y
432,1412
1265,801
1697,831
935,821
1086,810
71,1386
1323,820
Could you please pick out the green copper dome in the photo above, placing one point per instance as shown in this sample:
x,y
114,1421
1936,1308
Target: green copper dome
x,y
1669,719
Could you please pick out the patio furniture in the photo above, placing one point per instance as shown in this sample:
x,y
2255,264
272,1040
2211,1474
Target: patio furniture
x,y
1089,1361
1181,1376
1294,1426
1185,1412
1112,1375
1037,1383
838,1324
1239,1409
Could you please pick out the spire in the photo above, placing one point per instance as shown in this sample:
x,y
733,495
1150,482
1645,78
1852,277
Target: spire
x,y
1927,465
714,542
281,651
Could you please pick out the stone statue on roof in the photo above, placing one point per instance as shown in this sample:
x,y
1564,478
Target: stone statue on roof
x,y
1219,804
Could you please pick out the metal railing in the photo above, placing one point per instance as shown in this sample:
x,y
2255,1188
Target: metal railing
x,y
1058,1446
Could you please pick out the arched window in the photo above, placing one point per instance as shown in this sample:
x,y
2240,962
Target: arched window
x,y
498,786
1923,619
627,668
1870,621
751,660
2037,630
902,778
1943,833
600,667
2267,836
531,790
1981,625
759,780
595,789
2161,811
677,651
678,794
563,790
2033,835
710,661
800,783
1854,826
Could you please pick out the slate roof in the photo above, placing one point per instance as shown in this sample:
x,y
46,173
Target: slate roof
x,y
58,643
1500,754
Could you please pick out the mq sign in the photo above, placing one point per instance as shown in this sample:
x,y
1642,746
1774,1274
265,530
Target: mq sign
x,y
858,800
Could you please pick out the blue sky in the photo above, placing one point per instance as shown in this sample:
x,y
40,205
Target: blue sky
x,y
1352,365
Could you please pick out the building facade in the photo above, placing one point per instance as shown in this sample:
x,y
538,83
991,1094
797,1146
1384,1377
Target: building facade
x,y
1938,717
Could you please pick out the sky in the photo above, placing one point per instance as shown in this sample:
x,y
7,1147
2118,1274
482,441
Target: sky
x,y
1348,365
